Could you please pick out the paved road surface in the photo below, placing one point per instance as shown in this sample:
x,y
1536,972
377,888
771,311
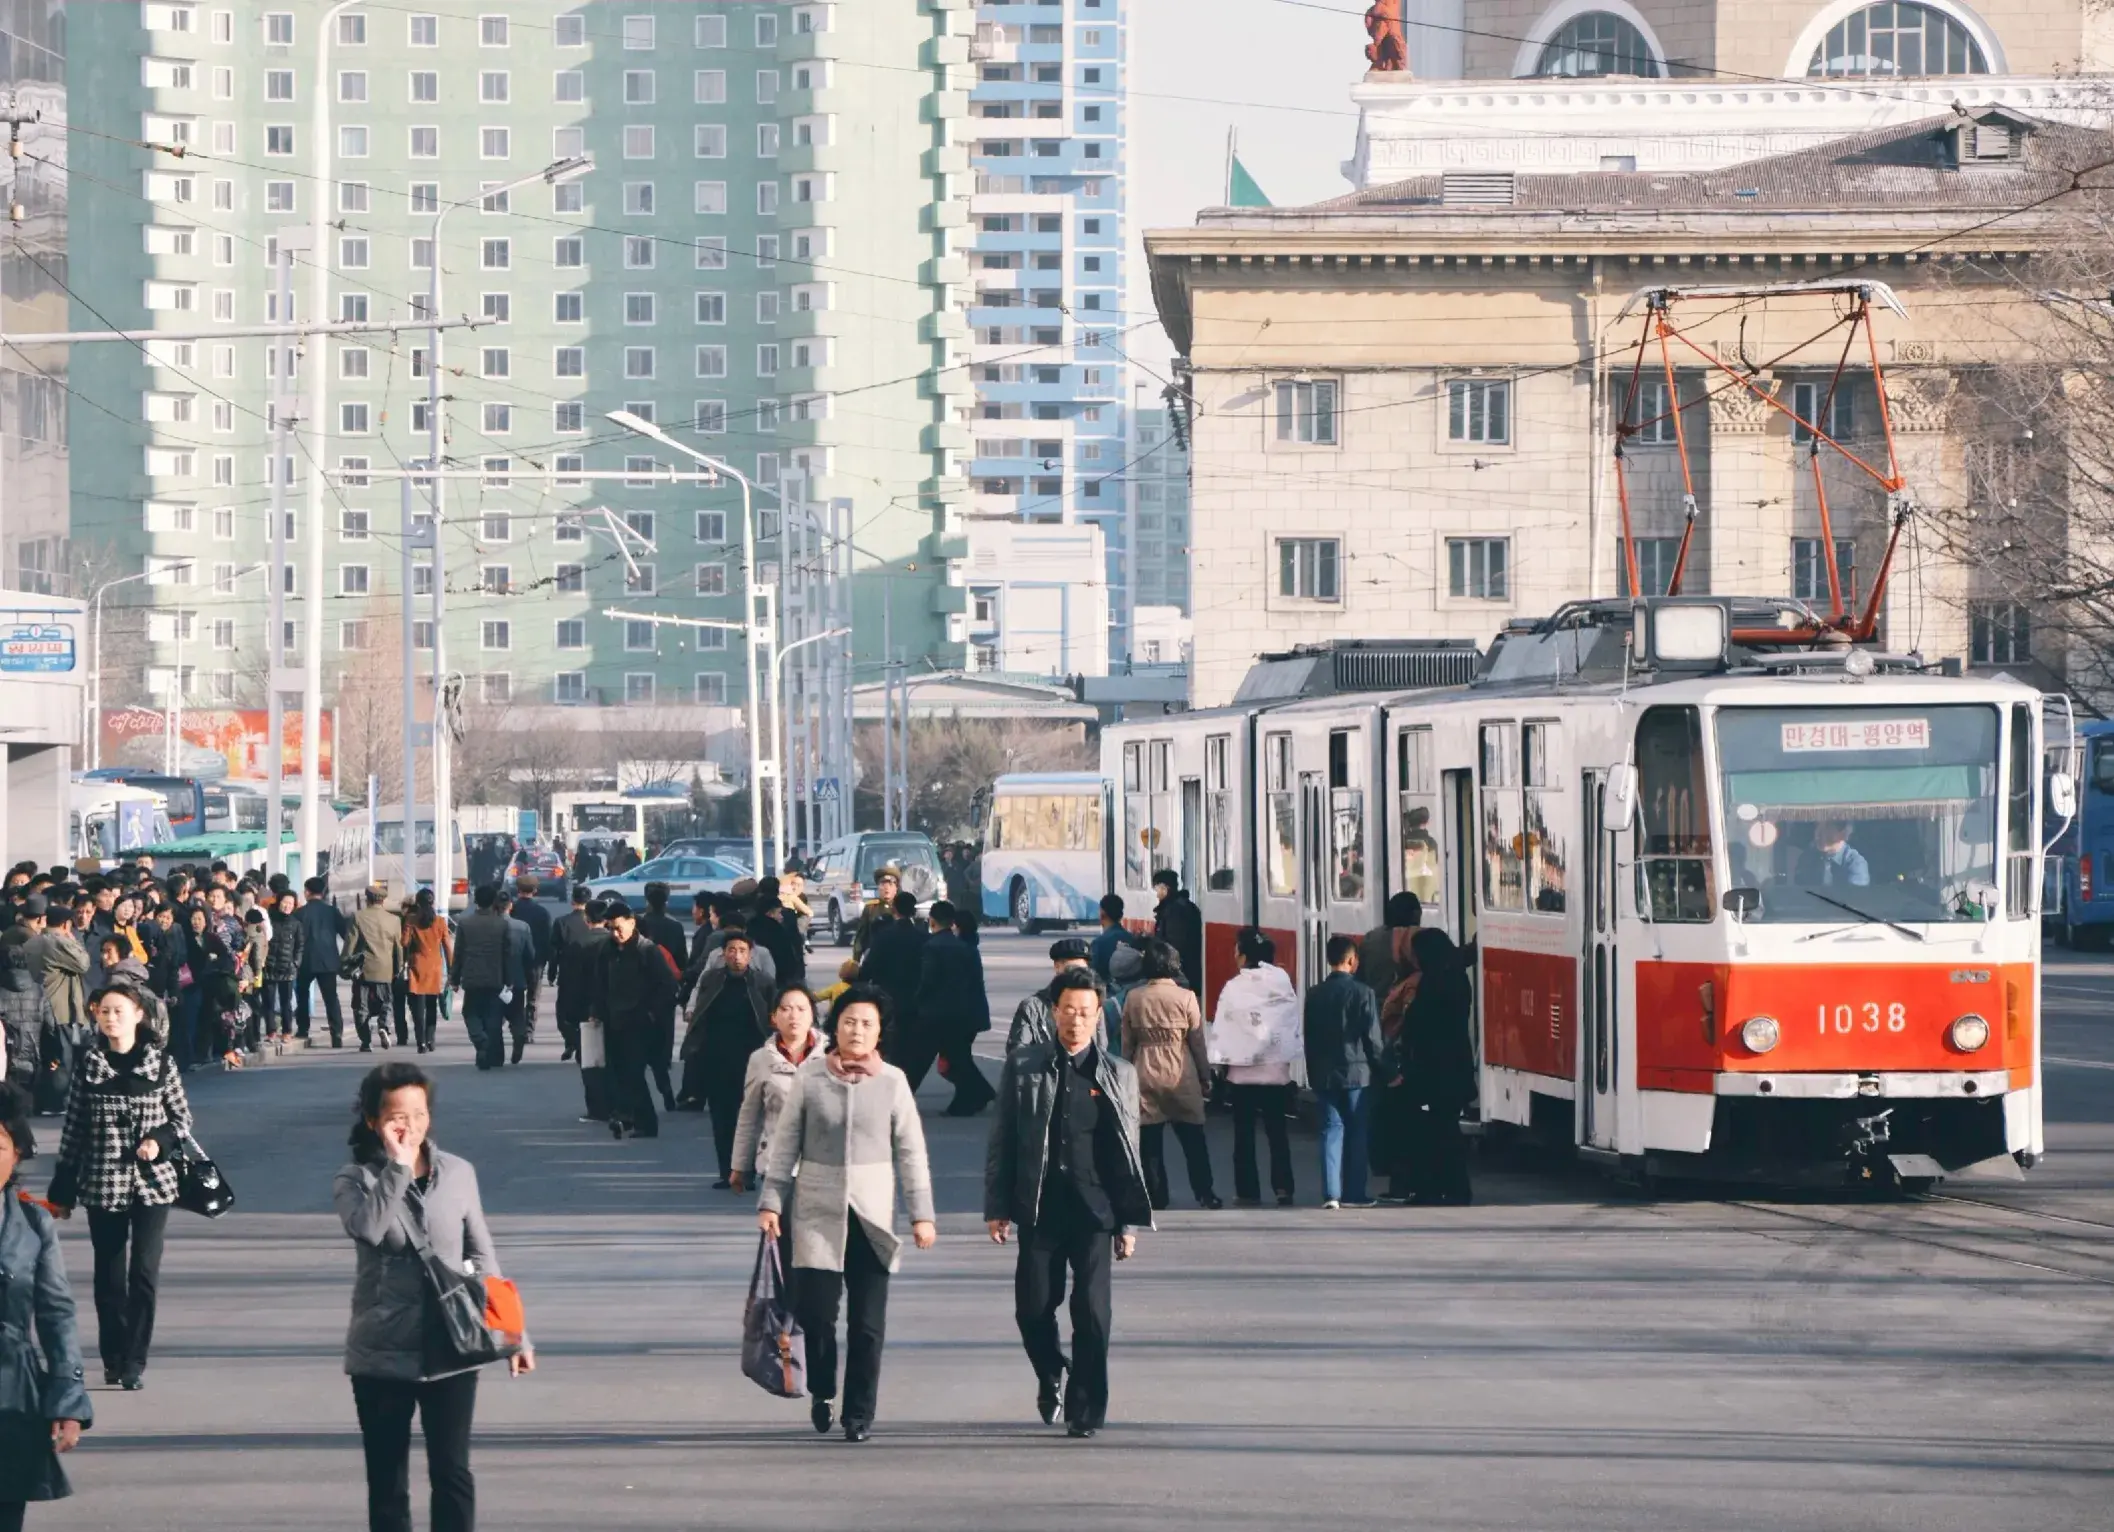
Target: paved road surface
x,y
1558,1356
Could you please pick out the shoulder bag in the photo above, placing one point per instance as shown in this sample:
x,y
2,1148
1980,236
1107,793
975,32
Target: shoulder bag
x,y
773,1353
200,1186
480,1315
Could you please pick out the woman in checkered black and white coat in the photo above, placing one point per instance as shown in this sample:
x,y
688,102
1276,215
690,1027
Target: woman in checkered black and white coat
x,y
125,1120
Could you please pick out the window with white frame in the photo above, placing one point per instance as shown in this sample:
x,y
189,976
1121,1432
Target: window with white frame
x,y
425,143
495,634
494,86
709,140
352,86
638,87
711,688
712,252
639,251
425,87
1810,401
711,361
352,580
1479,410
2000,632
1652,415
711,526
711,579
492,31
569,362
425,31
279,29
638,362
638,688
711,31
495,254
639,308
354,419
352,526
1306,411
638,637
1655,565
1479,568
278,138
569,31
638,140
1310,568
709,198
494,143
569,87
569,417
1809,568
709,417
568,308
638,199
709,87
568,252
498,419
353,361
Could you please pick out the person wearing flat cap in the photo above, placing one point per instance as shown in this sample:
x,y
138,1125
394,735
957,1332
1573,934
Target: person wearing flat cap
x,y
1032,1018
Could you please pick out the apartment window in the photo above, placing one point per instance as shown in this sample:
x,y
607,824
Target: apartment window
x,y
638,361
2001,632
425,197
570,579
572,632
638,637
1809,571
710,140
492,31
1310,568
352,84
569,362
766,418
496,527
638,141
495,635
711,31
767,360
1479,568
711,361
1306,412
709,87
498,419
638,252
279,29
499,307
352,526
352,196
224,633
767,147
766,31
494,143
711,527
638,689
767,198
568,143
569,251
767,87
568,467
1653,416
640,524
422,633
1655,565
711,579
638,198
352,252
421,255
496,687
570,86
638,308
496,254
1808,400
425,31
638,87
569,417
425,143
353,419
709,416
279,139
710,198
569,32
425,86
712,252
352,579
569,197
568,308
1479,410
766,250
278,85
767,307
352,31
352,362
642,581
494,86
353,634
496,362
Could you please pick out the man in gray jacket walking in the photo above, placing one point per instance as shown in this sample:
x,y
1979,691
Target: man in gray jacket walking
x,y
483,951
1064,1166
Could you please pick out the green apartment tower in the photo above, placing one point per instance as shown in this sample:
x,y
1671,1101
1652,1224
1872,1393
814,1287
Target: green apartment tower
x,y
763,261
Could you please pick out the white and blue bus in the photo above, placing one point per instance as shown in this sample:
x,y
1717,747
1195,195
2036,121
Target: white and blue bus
x,y
1041,859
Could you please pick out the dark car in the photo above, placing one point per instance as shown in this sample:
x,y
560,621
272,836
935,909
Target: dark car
x,y
539,862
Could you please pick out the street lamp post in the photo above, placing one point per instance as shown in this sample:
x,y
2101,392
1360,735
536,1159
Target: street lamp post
x,y
778,727
94,722
753,591
443,776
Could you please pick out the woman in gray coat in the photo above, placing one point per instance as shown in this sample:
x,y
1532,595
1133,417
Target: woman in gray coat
x,y
43,1400
846,1139
399,1181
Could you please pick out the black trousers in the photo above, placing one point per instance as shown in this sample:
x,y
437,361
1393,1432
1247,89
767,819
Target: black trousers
x,y
445,1408
1152,1148
863,1287
483,1017
568,1021
953,1042
1048,1253
1436,1156
370,1011
628,1044
660,1052
399,994
1270,1103
425,1018
594,1077
127,1244
328,984
524,1015
722,1077
11,1514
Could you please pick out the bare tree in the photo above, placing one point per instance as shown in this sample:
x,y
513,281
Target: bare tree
x,y
951,758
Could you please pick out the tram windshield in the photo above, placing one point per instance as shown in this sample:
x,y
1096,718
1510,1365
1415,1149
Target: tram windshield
x,y
1886,812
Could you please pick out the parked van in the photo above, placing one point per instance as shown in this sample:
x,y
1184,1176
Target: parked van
x,y
348,860
841,878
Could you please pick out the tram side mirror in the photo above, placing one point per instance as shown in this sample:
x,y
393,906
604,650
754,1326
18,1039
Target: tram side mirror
x,y
1622,796
1743,902
2062,795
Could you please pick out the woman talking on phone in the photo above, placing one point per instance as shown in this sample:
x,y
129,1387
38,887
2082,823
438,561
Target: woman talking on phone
x,y
400,1192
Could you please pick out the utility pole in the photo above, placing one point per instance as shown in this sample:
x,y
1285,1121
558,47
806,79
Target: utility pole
x,y
275,602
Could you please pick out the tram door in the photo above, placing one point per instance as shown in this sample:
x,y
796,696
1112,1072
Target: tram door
x,y
1457,855
1598,1038
1192,835
1313,877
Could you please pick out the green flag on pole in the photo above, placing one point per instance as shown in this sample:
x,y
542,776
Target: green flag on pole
x,y
1241,188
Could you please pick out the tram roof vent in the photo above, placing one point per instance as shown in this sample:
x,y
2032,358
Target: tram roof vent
x,y
1360,665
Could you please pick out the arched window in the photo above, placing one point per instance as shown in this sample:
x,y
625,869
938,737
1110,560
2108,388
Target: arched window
x,y
1596,43
1895,37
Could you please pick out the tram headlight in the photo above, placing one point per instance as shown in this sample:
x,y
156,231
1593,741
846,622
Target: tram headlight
x,y
1968,1033
1760,1033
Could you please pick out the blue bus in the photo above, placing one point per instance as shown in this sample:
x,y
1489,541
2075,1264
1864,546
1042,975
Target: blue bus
x,y
1040,859
2081,862
183,797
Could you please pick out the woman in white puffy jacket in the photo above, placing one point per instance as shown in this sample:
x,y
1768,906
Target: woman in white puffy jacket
x,y
1256,1035
769,1080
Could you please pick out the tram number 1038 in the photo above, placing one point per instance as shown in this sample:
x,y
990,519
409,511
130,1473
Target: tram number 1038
x,y
1868,1017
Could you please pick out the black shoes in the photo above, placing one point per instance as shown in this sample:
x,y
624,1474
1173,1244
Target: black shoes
x,y
1080,1430
857,1430
110,1376
132,1383
1046,1396
1210,1201
822,1415
1284,1199
616,1128
722,1185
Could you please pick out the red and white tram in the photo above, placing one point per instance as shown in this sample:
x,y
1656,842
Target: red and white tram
x,y
1738,905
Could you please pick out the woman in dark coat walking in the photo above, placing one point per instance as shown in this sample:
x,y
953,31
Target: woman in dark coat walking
x,y
282,969
218,1008
43,1401
126,1118
1437,1072
400,1181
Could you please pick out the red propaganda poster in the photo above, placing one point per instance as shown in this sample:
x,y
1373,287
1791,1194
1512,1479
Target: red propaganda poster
x,y
217,742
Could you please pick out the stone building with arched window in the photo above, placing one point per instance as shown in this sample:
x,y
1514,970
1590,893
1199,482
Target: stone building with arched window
x,y
1657,85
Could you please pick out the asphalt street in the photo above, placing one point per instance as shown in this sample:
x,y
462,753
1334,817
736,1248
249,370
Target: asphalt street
x,y
1564,1354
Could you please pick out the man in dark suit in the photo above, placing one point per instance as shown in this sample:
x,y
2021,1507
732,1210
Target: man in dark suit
x,y
1178,922
531,912
665,932
895,961
952,1009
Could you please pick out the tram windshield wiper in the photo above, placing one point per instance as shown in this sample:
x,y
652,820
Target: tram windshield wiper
x,y
1865,915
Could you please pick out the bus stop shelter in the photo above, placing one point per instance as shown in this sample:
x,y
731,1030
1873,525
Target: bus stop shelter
x,y
43,675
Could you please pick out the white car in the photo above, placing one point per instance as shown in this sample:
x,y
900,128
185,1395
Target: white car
x,y
685,876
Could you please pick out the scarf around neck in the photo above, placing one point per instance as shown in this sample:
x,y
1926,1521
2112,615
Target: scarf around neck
x,y
852,1071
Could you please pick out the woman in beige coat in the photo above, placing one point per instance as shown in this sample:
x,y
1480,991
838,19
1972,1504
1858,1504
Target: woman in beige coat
x,y
1163,1037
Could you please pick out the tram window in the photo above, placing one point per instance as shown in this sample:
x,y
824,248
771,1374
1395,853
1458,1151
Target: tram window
x,y
2018,815
1283,865
1346,819
1137,823
1417,812
1219,871
1543,845
1674,880
1504,875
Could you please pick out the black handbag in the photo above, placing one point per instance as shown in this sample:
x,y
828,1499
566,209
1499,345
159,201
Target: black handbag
x,y
464,1309
200,1186
773,1354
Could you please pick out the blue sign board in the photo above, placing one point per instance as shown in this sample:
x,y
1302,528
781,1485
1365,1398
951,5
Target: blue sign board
x,y
36,646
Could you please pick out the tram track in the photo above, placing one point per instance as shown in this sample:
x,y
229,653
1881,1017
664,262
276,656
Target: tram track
x,y
1953,1240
